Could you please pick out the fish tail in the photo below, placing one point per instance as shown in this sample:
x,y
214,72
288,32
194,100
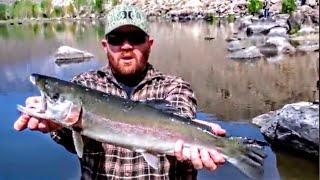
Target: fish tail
x,y
250,161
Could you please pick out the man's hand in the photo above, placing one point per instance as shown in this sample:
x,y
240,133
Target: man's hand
x,y
201,157
33,123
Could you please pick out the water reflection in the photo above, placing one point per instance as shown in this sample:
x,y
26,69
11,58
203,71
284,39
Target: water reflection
x,y
232,90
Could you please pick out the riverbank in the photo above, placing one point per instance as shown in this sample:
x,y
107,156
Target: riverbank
x,y
175,10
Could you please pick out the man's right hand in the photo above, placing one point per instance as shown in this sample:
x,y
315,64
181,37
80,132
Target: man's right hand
x,y
33,123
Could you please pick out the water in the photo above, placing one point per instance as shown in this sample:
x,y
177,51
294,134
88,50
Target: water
x,y
231,90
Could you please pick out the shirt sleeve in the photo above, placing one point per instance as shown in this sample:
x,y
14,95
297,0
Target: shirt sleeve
x,y
182,97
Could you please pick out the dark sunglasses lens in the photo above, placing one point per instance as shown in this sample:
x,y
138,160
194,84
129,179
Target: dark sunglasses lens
x,y
137,38
115,40
133,38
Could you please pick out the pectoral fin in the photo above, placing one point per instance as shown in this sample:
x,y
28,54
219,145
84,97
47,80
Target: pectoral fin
x,y
152,160
78,143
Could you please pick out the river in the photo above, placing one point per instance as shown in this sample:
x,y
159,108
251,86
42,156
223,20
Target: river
x,y
231,91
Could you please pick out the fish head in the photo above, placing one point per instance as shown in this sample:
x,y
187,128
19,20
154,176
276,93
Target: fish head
x,y
56,101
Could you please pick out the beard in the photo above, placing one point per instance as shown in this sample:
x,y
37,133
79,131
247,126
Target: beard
x,y
130,68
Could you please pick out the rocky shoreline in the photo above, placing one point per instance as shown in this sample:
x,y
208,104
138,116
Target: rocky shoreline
x,y
183,10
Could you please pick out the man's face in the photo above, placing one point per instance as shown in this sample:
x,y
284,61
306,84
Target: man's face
x,y
128,50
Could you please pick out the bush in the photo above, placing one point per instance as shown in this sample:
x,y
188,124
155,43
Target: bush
x,y
46,8
36,10
70,10
98,6
79,3
288,6
254,6
58,11
3,11
22,9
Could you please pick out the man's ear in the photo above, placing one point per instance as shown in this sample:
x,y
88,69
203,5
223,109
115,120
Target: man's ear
x,y
150,42
104,44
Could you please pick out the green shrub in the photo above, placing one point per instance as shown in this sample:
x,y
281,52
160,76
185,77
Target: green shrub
x,y
231,18
46,8
288,6
98,6
58,11
70,10
36,10
79,3
254,6
3,11
22,9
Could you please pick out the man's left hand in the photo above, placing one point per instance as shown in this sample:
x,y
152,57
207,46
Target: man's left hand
x,y
201,157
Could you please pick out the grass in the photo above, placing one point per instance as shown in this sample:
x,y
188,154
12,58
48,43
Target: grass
x,y
254,6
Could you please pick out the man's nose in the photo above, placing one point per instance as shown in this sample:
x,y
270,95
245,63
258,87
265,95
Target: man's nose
x,y
126,45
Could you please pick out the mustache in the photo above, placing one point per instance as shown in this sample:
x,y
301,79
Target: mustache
x,y
127,53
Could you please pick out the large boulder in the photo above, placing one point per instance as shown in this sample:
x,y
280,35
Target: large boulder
x,y
295,126
66,54
251,52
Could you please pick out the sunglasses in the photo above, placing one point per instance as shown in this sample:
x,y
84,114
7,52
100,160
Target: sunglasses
x,y
134,38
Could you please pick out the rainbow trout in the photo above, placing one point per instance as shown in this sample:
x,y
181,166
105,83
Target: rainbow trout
x,y
139,126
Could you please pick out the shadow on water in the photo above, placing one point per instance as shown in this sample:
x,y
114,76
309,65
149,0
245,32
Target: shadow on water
x,y
231,90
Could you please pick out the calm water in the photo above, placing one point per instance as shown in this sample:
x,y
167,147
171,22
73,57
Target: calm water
x,y
234,91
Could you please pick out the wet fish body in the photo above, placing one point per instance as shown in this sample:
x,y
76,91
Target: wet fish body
x,y
139,126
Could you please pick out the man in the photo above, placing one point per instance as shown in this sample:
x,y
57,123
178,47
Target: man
x,y
266,7
129,75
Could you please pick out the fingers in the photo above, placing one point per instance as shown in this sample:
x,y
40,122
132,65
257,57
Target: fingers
x,y
217,130
216,156
200,157
21,123
33,123
178,150
195,158
206,160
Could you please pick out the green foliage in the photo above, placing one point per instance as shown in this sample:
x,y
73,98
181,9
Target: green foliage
x,y
80,3
36,10
70,10
231,18
254,6
294,29
58,11
98,6
288,6
46,8
114,2
3,11
22,9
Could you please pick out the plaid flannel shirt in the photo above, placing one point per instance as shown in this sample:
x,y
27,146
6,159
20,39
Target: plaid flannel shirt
x,y
106,161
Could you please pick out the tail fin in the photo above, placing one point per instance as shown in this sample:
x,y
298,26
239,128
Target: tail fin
x,y
250,162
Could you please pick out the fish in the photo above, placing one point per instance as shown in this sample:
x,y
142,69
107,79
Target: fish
x,y
148,127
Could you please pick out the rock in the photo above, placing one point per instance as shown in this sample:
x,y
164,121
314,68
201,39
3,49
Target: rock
x,y
311,3
306,30
269,50
278,31
237,45
282,44
295,126
308,47
66,54
260,27
251,52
